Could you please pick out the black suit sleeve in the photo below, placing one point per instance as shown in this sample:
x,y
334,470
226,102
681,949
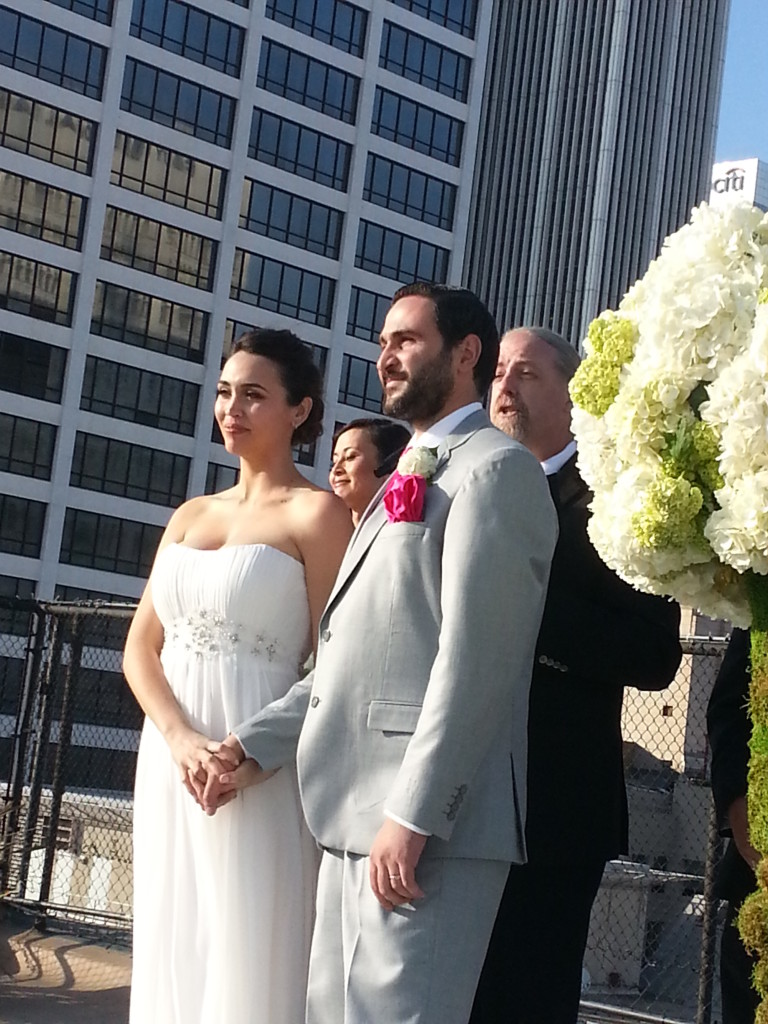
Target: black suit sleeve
x,y
729,727
598,627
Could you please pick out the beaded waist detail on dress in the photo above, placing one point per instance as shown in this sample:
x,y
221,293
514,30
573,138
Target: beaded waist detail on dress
x,y
208,633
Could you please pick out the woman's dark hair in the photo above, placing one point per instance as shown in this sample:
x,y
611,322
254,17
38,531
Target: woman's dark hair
x,y
388,439
459,312
298,372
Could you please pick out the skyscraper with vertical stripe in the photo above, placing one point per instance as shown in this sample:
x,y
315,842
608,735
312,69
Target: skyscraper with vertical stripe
x,y
596,140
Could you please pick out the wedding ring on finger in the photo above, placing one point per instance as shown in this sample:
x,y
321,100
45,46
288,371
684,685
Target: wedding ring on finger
x,y
394,878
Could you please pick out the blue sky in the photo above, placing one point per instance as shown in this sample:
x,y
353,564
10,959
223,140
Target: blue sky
x,y
743,123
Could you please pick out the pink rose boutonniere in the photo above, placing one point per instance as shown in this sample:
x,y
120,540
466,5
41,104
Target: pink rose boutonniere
x,y
407,488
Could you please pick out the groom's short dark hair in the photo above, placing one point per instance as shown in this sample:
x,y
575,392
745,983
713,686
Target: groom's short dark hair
x,y
459,312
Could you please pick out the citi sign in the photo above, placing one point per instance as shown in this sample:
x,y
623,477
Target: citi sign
x,y
732,181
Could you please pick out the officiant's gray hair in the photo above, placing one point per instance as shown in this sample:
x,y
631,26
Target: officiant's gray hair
x,y
567,359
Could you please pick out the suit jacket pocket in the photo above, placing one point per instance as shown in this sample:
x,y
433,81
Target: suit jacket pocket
x,y
403,530
393,716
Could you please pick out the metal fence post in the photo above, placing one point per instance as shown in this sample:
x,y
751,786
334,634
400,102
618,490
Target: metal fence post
x,y
17,773
709,922
40,753
62,749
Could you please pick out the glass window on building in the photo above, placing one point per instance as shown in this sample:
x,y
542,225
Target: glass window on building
x,y
14,622
41,211
219,477
104,700
300,150
108,543
149,322
367,311
282,288
406,190
308,81
50,54
168,175
360,385
97,10
335,22
31,368
304,454
159,249
233,330
393,254
177,103
26,446
418,127
139,396
27,126
289,218
420,60
21,526
190,32
36,289
129,470
457,15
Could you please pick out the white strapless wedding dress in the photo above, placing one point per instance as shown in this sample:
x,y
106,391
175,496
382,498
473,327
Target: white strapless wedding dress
x,y
223,906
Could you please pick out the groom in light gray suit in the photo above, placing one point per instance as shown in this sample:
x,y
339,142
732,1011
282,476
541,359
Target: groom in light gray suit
x,y
404,731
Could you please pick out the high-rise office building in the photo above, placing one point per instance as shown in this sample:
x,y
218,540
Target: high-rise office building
x,y
597,140
170,171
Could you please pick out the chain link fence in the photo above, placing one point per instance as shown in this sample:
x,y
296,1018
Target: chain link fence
x,y
69,730
652,948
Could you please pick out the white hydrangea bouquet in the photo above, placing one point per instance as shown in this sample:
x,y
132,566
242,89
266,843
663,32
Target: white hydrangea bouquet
x,y
671,419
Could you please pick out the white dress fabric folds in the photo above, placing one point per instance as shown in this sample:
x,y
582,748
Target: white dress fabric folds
x,y
223,905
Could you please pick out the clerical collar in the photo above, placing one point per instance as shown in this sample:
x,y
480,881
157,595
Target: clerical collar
x,y
555,462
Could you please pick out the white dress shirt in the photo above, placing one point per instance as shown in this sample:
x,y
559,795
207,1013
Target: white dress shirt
x,y
555,462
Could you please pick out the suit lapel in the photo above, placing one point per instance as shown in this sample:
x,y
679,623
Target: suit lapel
x,y
373,519
375,516
566,485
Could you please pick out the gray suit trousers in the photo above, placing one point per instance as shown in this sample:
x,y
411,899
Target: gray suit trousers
x,y
412,965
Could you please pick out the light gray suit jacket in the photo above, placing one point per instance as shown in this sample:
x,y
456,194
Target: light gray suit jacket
x,y
420,692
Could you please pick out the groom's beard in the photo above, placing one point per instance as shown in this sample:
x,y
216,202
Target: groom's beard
x,y
425,393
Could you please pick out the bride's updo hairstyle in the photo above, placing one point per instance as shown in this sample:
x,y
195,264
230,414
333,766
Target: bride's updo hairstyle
x,y
298,373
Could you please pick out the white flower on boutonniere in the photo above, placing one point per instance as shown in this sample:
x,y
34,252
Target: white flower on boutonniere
x,y
419,461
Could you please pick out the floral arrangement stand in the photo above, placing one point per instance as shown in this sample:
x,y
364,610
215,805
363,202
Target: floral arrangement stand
x,y
671,420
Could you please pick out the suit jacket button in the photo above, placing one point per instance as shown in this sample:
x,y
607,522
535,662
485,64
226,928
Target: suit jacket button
x,y
542,659
314,702
325,636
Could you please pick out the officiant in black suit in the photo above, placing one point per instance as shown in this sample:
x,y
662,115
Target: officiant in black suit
x,y
597,636
729,729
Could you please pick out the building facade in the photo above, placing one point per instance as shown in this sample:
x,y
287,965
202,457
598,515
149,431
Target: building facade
x,y
597,140
170,172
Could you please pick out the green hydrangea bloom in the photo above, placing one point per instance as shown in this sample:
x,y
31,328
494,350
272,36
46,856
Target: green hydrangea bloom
x,y
706,448
595,385
669,516
613,336
611,342
692,452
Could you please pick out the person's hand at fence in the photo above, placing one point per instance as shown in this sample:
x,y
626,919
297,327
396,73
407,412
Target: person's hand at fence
x,y
739,823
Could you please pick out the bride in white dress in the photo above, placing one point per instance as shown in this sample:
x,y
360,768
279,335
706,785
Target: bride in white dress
x,y
223,904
